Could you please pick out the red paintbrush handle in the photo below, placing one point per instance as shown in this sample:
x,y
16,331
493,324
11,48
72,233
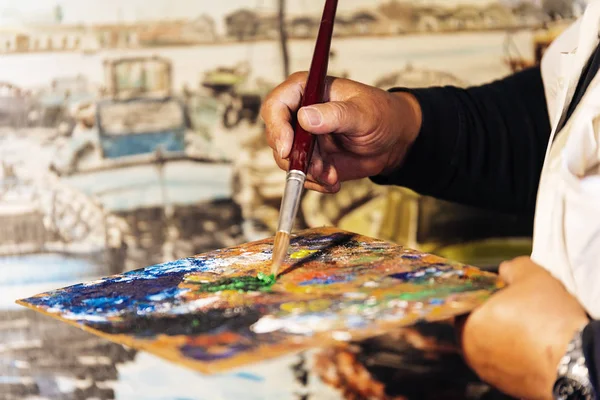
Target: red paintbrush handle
x,y
304,142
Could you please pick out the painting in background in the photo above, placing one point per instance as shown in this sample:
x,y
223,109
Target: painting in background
x,y
130,136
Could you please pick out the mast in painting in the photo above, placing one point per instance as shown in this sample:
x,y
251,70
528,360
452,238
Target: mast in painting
x,y
283,39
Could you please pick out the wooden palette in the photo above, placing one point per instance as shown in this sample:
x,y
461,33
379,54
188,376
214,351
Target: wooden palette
x,y
334,286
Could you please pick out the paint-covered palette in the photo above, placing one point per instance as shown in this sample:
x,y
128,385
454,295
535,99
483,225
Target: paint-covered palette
x,y
218,310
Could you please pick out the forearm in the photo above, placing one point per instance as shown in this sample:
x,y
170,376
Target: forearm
x,y
482,146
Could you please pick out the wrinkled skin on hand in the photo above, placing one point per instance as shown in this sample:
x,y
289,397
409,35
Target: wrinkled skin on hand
x,y
361,130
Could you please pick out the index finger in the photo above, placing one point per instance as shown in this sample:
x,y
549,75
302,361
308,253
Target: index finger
x,y
277,110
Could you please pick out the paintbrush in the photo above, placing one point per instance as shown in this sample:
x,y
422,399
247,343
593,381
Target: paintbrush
x,y
304,142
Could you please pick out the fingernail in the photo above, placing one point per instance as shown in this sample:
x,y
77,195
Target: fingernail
x,y
313,116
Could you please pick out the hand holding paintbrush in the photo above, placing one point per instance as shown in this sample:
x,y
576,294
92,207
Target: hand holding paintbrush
x,y
304,142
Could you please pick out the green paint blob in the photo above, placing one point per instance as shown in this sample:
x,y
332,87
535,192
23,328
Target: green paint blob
x,y
366,259
261,282
437,292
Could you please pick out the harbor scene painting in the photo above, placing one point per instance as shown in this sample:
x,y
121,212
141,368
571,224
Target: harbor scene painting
x,y
130,137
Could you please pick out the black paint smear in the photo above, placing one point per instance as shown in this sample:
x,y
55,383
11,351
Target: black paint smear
x,y
333,241
351,244
300,371
237,319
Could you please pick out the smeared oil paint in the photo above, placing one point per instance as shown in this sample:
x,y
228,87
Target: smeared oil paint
x,y
221,310
302,254
249,376
329,280
262,282
426,272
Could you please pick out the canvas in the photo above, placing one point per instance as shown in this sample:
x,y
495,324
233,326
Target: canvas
x,y
100,174
221,310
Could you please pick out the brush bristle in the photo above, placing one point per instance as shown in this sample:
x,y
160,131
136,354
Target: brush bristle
x,y
280,248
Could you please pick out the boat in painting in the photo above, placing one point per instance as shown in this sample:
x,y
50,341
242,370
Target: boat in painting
x,y
57,103
15,105
137,152
51,234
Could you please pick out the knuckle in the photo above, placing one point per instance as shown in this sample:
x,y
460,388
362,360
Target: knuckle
x,y
268,104
505,269
265,109
296,76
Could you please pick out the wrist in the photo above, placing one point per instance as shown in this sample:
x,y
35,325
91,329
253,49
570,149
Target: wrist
x,y
573,377
407,115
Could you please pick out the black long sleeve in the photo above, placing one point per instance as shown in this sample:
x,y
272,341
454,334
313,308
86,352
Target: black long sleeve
x,y
482,146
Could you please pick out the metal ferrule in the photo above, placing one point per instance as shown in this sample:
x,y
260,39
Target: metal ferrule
x,y
291,200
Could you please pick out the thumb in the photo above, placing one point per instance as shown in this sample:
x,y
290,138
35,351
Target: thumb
x,y
333,117
518,269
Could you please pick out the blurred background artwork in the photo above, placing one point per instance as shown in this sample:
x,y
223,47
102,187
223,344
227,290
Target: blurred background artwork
x,y
130,135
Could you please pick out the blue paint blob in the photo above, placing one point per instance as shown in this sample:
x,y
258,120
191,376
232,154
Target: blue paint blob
x,y
249,376
113,296
327,280
422,273
167,294
104,302
436,302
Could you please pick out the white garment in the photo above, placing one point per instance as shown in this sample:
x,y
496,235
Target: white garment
x,y
566,237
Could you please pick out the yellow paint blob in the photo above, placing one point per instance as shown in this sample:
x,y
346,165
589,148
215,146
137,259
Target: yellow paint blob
x,y
302,253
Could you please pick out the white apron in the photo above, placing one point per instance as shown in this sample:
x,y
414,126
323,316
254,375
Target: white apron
x,y
566,238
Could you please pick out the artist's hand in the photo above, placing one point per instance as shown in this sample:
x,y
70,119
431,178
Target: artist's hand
x,y
362,130
516,340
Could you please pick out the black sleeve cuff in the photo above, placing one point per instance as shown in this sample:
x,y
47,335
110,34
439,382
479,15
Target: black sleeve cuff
x,y
591,351
429,161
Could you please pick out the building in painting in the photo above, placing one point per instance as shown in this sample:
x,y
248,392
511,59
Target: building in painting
x,y
429,19
50,38
305,26
112,36
177,32
389,18
463,17
40,38
268,26
358,23
200,29
529,14
498,16
242,25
